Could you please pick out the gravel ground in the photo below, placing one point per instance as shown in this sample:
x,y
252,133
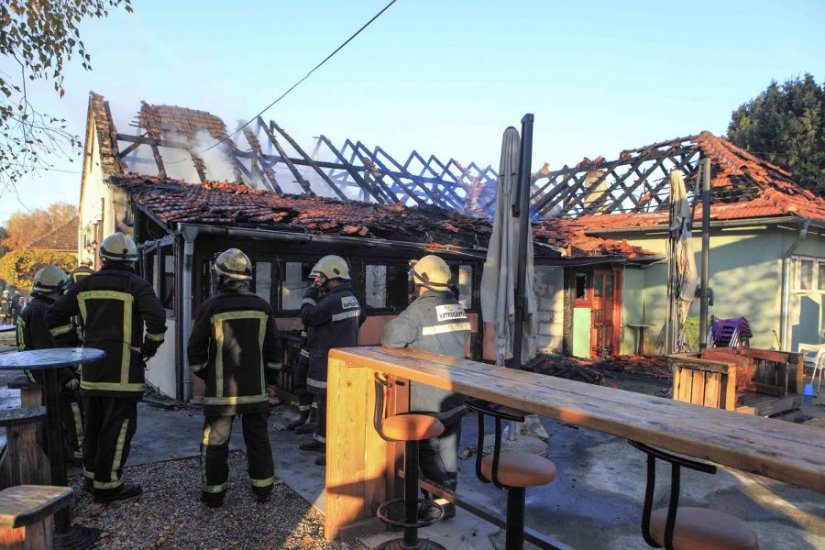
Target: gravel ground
x,y
169,514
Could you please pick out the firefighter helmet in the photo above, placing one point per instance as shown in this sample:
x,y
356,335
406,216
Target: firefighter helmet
x,y
234,264
332,267
432,272
50,279
79,272
118,247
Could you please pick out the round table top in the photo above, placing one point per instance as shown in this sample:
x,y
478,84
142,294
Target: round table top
x,y
7,328
39,359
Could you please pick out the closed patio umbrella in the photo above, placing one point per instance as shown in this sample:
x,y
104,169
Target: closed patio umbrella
x,y
685,277
499,278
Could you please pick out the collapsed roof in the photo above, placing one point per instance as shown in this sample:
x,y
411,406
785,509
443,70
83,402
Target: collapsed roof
x,y
368,194
237,205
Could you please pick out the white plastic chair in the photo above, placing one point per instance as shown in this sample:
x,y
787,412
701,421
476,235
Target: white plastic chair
x,y
814,354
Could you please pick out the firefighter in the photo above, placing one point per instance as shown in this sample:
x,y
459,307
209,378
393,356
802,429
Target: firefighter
x,y
235,347
49,284
16,305
332,314
114,304
437,323
5,306
306,423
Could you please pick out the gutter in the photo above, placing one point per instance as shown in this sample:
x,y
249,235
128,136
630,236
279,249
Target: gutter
x,y
267,234
723,224
189,234
784,310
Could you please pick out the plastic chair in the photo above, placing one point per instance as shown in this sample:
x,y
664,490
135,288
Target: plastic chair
x,y
683,527
404,512
509,470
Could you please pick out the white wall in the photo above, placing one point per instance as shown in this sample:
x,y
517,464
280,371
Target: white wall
x,y
160,373
548,284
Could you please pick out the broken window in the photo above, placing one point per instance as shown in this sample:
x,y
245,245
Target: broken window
x,y
581,286
293,284
375,286
386,286
464,282
263,280
167,281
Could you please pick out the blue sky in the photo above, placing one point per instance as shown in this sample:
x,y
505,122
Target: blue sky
x,y
444,77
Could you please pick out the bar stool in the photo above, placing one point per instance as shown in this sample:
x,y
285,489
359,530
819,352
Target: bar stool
x,y
511,471
684,527
404,512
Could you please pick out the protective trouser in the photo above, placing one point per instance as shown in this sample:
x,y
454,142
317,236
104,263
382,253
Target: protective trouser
x,y
320,434
111,423
71,413
215,451
438,457
299,381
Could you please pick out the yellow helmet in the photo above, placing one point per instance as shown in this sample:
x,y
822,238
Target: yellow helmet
x,y
234,264
50,279
118,247
332,267
432,272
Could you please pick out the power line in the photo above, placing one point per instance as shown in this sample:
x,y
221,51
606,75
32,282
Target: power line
x,y
283,95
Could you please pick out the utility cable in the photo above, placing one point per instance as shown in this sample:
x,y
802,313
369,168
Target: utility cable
x,y
298,83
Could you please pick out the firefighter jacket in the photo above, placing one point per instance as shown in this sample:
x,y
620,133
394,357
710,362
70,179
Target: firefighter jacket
x,y
113,304
234,344
332,321
33,334
437,323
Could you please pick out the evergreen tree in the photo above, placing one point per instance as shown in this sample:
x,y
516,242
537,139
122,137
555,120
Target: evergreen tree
x,y
785,125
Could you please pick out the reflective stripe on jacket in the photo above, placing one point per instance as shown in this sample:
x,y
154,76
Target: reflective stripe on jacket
x,y
32,333
332,322
114,304
437,323
234,341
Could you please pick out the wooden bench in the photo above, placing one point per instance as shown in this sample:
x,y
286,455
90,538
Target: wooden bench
x,y
31,393
26,515
23,461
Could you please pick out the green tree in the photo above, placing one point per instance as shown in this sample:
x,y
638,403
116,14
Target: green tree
x,y
37,38
785,125
19,266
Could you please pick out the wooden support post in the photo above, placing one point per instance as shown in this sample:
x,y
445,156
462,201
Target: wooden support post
x,y
26,515
289,164
356,471
23,461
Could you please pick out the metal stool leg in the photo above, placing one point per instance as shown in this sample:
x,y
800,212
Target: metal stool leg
x,y
515,518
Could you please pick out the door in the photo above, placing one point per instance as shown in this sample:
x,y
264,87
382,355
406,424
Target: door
x,y
596,311
606,312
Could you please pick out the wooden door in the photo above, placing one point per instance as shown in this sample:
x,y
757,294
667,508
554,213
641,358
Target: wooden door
x,y
606,312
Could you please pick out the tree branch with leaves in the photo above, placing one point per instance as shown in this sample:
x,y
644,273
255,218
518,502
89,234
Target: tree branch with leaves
x,y
39,37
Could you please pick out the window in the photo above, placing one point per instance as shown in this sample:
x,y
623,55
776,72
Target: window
x,y
810,275
464,281
386,286
581,286
263,280
375,286
167,295
293,284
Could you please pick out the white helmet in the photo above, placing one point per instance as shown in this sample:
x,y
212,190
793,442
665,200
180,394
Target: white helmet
x,y
432,272
118,247
331,267
234,264
50,279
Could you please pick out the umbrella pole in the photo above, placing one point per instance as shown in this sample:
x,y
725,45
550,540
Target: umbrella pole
x,y
521,210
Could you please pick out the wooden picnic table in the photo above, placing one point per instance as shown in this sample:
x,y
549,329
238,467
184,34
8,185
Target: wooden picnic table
x,y
361,466
49,361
